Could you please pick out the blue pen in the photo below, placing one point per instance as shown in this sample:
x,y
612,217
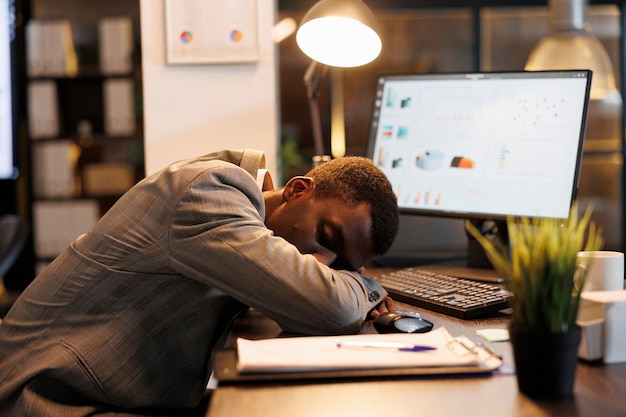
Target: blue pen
x,y
401,347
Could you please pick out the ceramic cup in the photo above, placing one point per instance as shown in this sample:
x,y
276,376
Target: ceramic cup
x,y
605,270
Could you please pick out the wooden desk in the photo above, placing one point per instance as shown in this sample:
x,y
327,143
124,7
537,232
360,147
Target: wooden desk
x,y
599,390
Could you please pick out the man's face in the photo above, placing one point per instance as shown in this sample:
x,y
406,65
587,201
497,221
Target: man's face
x,y
336,234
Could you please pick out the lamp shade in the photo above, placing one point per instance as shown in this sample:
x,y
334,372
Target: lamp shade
x,y
572,46
340,33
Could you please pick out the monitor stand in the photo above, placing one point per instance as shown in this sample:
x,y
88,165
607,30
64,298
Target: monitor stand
x,y
471,263
477,265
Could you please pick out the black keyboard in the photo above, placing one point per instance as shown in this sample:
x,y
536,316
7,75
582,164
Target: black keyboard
x,y
457,297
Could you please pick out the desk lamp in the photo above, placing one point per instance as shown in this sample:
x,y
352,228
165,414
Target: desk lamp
x,y
337,33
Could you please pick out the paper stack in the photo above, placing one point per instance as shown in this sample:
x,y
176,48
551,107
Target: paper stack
x,y
436,349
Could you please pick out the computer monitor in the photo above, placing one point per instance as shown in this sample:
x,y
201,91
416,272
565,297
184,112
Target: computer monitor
x,y
481,146
7,94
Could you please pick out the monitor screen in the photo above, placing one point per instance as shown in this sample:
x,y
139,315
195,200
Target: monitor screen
x,y
7,104
481,145
477,147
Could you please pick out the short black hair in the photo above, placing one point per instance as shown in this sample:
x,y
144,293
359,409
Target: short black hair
x,y
355,179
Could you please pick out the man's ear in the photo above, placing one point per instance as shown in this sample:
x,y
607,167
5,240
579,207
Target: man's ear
x,y
298,186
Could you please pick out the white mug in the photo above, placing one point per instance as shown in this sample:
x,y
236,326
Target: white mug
x,y
605,270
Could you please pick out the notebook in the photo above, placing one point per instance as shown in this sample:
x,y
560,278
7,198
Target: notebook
x,y
370,355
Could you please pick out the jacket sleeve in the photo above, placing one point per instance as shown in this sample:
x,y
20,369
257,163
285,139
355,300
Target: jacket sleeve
x,y
218,237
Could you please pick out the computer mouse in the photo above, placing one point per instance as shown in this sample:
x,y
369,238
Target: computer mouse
x,y
401,322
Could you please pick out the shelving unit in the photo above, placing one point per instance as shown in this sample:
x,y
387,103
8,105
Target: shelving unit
x,y
84,115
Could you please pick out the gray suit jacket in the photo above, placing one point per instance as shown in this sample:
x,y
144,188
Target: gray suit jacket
x,y
127,316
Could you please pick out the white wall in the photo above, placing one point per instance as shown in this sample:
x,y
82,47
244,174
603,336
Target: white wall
x,y
191,110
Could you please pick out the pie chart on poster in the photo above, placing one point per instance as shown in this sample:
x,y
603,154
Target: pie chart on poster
x,y
186,36
236,35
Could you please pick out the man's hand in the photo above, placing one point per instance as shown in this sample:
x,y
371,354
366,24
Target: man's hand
x,y
385,306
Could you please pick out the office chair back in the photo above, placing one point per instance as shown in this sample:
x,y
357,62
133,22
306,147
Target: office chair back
x,y
13,235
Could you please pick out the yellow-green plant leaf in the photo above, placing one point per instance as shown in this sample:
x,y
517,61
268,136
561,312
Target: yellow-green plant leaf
x,y
539,266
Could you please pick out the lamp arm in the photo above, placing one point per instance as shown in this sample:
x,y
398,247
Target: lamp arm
x,y
311,81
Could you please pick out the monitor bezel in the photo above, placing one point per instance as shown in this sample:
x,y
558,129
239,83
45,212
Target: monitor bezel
x,y
13,85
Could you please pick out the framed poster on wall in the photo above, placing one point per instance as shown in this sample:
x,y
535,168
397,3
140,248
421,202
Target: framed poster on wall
x,y
211,31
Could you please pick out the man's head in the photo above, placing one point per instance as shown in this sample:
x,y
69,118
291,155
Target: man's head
x,y
344,212
357,180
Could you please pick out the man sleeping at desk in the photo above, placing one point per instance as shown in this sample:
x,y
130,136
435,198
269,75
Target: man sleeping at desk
x,y
123,322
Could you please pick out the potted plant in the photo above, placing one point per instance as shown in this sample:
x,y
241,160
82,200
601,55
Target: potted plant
x,y
539,268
